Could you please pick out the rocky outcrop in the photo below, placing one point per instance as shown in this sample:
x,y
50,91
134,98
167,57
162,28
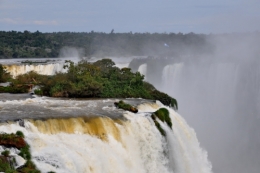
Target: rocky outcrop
x,y
122,105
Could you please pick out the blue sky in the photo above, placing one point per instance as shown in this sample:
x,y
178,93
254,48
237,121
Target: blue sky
x,y
200,16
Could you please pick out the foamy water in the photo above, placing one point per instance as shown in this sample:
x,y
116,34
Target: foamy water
x,y
131,143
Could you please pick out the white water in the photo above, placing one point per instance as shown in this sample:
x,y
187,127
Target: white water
x,y
15,68
45,69
138,147
221,101
143,69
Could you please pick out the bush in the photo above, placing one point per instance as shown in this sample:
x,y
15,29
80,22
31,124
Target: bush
x,y
29,167
38,92
13,89
4,75
4,165
164,116
164,99
20,134
6,153
25,152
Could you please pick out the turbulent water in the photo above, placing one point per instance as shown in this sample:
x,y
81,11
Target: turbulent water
x,y
220,99
99,142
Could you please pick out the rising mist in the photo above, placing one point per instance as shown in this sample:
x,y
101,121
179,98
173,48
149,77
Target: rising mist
x,y
219,95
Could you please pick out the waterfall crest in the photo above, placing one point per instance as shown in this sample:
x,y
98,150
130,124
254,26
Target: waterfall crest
x,y
103,145
44,69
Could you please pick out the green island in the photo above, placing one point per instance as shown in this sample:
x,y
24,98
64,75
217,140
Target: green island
x,y
101,79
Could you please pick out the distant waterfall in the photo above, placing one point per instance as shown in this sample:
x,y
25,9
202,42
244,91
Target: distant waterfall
x,y
45,69
221,100
210,84
143,69
104,145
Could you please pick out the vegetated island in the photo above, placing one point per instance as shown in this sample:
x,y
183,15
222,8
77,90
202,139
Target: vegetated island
x,y
101,79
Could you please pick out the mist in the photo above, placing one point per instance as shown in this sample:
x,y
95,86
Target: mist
x,y
218,92
71,52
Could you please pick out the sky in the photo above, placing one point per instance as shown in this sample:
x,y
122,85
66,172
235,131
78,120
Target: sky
x,y
170,16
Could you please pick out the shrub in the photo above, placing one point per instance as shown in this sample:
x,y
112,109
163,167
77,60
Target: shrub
x,y
6,153
20,134
25,152
164,116
38,92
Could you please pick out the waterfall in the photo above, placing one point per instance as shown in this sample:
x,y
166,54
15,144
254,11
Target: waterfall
x,y
221,101
143,69
171,76
103,144
45,69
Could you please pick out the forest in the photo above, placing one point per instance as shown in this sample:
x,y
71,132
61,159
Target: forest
x,y
16,44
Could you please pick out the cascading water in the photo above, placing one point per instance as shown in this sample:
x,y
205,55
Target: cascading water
x,y
99,144
45,69
143,69
221,101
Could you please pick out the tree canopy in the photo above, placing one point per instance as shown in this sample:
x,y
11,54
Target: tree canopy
x,y
27,44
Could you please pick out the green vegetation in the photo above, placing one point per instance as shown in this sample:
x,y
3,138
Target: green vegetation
x,y
25,152
4,75
7,162
20,134
122,105
27,44
14,89
5,153
12,140
5,166
38,92
163,115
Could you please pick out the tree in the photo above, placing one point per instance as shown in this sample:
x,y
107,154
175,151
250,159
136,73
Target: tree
x,y
4,75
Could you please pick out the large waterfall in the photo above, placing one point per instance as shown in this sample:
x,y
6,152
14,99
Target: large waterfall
x,y
221,100
125,142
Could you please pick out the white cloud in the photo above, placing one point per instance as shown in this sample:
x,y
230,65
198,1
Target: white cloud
x,y
18,21
45,22
12,21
